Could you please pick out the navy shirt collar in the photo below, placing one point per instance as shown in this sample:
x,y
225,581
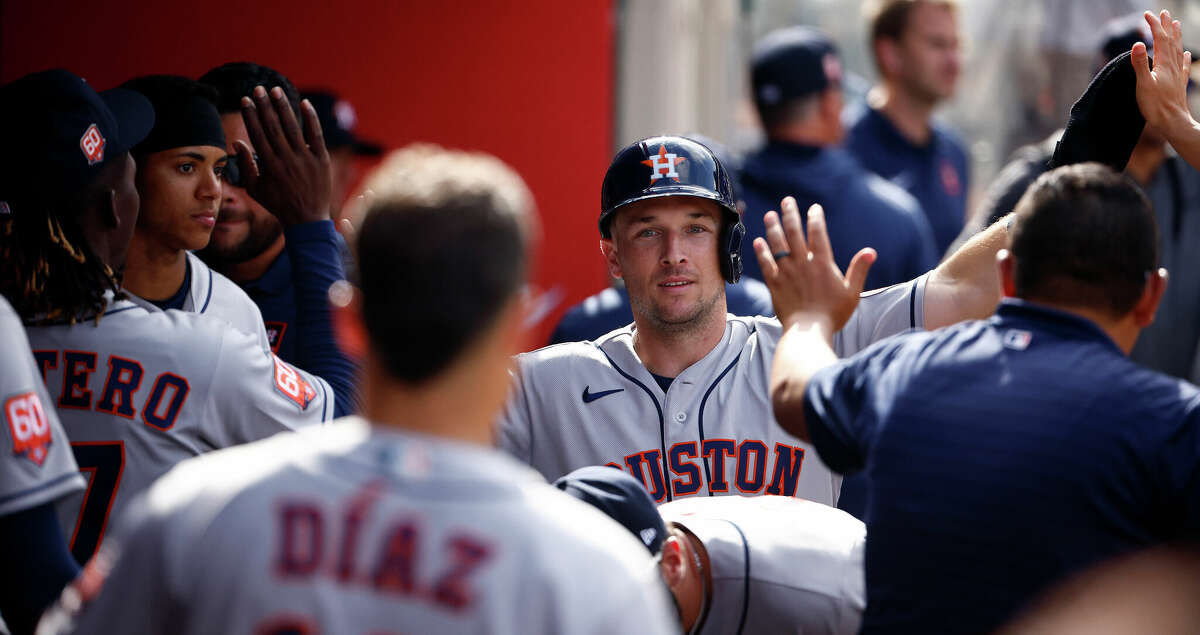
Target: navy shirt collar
x,y
277,278
1014,312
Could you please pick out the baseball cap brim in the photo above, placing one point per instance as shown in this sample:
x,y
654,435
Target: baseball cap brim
x,y
366,148
134,116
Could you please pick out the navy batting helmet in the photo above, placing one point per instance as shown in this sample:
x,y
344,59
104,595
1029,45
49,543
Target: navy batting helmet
x,y
674,166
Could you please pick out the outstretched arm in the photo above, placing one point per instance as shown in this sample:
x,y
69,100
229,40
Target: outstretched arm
x,y
812,299
1162,92
966,286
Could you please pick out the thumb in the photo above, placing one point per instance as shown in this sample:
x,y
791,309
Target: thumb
x,y
1141,62
246,164
856,273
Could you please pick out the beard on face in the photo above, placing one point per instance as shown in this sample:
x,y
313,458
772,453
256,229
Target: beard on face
x,y
681,325
263,233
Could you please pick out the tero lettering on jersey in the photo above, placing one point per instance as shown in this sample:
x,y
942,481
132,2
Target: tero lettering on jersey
x,y
125,391
721,463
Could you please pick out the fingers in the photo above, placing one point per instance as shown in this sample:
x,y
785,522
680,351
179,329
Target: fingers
x,y
766,261
312,130
287,119
269,122
818,235
1141,62
254,130
774,234
246,164
856,273
793,229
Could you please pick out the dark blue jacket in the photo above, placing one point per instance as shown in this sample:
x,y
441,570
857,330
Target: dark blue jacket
x,y
861,209
936,174
609,310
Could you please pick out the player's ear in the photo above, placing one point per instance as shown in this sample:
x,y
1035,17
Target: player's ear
x,y
608,247
345,301
672,564
1152,293
1007,267
888,55
106,208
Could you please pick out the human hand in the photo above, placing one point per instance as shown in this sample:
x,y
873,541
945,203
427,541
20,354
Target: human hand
x,y
1162,92
292,177
805,282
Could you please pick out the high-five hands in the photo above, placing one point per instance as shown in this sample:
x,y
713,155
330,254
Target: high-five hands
x,y
1162,92
292,176
805,282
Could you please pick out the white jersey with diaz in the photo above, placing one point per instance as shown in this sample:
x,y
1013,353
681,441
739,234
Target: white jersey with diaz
x,y
36,466
354,529
712,433
778,565
215,295
140,391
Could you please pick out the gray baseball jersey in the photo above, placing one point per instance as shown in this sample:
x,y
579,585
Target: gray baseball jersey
x,y
36,466
140,391
359,529
779,565
213,294
713,432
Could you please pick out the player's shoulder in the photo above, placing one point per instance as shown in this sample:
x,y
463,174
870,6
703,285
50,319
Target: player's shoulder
x,y
218,288
568,355
889,197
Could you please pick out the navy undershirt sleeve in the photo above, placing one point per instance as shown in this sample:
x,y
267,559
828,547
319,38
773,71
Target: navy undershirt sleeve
x,y
316,264
35,565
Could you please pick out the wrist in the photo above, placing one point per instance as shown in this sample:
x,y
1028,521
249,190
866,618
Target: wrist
x,y
808,321
1179,126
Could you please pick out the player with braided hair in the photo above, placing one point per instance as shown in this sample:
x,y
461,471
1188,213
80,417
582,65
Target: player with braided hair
x,y
137,391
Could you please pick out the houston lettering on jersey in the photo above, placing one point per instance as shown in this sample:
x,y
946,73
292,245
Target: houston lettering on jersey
x,y
124,393
722,464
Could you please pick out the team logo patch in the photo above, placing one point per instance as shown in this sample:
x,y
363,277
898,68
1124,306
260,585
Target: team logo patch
x,y
292,384
275,331
28,426
92,143
950,181
662,165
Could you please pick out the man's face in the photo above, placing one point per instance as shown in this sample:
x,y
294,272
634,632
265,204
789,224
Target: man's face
x,y
665,250
244,228
180,190
928,52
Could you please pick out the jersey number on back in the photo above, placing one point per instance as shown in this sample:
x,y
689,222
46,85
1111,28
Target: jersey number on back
x,y
103,461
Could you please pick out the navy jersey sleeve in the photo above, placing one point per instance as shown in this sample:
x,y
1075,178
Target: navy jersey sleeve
x,y
840,406
1181,462
317,264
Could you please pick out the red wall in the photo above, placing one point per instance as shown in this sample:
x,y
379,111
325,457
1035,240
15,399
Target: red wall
x,y
527,80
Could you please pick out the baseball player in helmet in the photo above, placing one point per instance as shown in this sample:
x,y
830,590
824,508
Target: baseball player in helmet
x,y
404,519
735,564
679,398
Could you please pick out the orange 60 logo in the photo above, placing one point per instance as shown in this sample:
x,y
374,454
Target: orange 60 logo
x,y
292,384
28,426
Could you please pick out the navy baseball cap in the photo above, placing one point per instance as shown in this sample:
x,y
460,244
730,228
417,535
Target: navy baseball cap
x,y
793,62
1105,122
58,134
337,123
621,497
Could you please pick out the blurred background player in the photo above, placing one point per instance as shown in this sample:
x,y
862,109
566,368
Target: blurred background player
x,y
403,518
179,169
797,76
915,45
338,121
1000,453
288,279
137,391
767,564
36,469
610,309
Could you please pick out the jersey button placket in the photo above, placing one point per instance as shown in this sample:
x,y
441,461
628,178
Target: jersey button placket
x,y
680,417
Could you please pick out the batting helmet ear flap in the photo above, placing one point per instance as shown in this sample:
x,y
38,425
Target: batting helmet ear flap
x,y
731,238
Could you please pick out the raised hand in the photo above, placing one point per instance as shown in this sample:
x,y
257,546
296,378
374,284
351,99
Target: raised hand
x,y
292,176
804,280
1162,91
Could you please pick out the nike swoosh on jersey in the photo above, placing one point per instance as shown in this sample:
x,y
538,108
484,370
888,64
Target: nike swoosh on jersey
x,y
589,397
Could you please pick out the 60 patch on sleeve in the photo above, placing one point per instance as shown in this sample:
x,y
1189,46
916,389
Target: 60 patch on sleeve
x,y
28,426
292,384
